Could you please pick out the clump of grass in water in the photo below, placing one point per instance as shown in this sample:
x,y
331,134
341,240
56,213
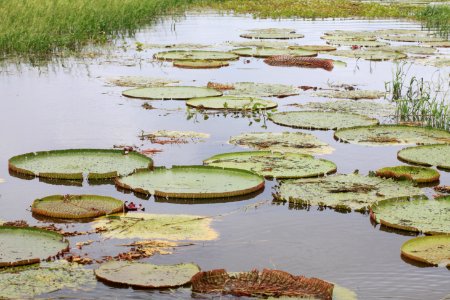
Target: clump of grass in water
x,y
419,101
436,18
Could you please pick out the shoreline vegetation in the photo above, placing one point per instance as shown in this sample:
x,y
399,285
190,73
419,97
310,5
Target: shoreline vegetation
x,y
49,27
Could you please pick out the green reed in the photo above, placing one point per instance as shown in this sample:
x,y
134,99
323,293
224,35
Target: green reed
x,y
436,18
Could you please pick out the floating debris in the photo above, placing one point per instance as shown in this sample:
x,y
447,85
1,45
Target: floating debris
x,y
295,61
171,93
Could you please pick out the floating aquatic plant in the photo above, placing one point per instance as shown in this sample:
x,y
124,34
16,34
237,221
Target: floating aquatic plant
x,y
352,94
432,250
140,81
368,108
416,174
410,49
428,155
296,61
231,103
271,34
200,64
171,93
317,48
268,52
357,43
376,55
189,55
256,89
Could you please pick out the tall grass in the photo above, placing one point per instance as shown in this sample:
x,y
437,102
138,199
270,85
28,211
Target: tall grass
x,y
436,18
48,26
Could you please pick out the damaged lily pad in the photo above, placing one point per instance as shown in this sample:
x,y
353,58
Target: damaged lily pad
x,y
320,120
231,103
345,192
75,163
27,283
375,55
410,49
357,43
392,134
76,206
200,64
256,89
174,134
368,108
172,93
267,52
432,250
429,155
317,48
146,275
283,142
156,226
412,38
277,165
426,216
140,81
268,283
194,55
416,174
25,245
192,182
353,94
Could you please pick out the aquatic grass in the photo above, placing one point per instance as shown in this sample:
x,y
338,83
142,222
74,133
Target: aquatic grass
x,y
436,18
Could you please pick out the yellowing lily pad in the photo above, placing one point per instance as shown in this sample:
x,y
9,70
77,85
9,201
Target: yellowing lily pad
x,y
194,55
376,55
432,250
317,48
353,94
416,174
267,52
429,155
368,108
256,89
231,103
200,64
278,165
146,275
171,93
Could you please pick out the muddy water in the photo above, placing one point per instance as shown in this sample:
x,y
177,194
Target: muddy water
x,y
69,105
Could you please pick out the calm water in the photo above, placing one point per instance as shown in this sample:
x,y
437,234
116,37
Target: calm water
x,y
69,105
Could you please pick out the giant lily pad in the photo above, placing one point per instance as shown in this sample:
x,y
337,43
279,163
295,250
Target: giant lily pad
x,y
294,142
350,34
432,250
343,38
172,92
193,182
410,49
262,89
76,206
317,48
259,44
151,226
353,94
200,64
412,38
195,55
436,61
345,192
26,245
429,155
368,108
410,32
427,216
140,81
392,134
33,281
145,275
278,165
231,103
320,120
74,163
444,44
268,283
416,174
358,43
271,34
267,52
375,55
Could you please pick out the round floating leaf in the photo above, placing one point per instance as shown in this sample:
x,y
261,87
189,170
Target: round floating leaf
x,y
172,93
427,216
175,46
416,174
259,44
145,275
432,250
268,283
76,206
320,120
410,49
350,34
436,61
412,38
392,134
151,227
383,32
429,155
25,245
195,55
32,281
231,103
444,44
267,52
193,182
375,55
262,89
343,38
140,81
74,163
368,108
358,43
264,34
317,48
174,134
345,192
354,94
268,164
200,64
284,142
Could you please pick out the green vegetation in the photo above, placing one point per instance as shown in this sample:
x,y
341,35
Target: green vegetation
x,y
436,17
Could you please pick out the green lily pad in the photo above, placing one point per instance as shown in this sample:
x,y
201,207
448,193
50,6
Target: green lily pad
x,y
416,174
200,64
25,245
193,182
432,250
231,103
45,278
146,275
358,43
392,134
343,38
174,134
283,142
194,55
375,55
74,163
267,52
345,192
278,165
348,33
436,61
353,94
76,206
317,48
320,120
259,44
429,155
444,44
172,93
427,216
140,81
367,108
262,89
412,38
271,34
151,226
410,49
384,32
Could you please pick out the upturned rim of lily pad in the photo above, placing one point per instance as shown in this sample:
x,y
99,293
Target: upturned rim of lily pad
x,y
200,64
406,172
225,55
202,103
211,93
406,252
266,52
401,156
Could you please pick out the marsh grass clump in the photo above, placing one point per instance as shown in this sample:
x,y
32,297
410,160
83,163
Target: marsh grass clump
x,y
436,18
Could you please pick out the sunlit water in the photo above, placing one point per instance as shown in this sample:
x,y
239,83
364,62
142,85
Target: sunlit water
x,y
69,105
